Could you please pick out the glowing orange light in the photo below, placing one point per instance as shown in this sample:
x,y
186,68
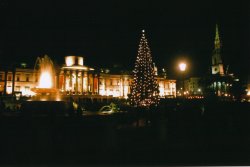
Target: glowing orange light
x,y
248,93
45,80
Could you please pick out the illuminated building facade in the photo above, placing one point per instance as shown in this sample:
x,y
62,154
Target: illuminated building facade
x,y
75,78
192,86
114,85
167,87
120,85
21,80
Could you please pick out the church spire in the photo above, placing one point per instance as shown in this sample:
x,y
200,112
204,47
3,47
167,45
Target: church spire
x,y
217,43
217,65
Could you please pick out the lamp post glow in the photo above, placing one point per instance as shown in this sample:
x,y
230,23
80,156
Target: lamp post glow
x,y
182,67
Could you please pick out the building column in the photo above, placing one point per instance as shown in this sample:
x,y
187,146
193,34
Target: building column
x,y
13,80
217,89
70,80
85,86
164,87
76,82
93,82
171,88
57,80
5,82
88,82
123,87
98,84
82,77
64,80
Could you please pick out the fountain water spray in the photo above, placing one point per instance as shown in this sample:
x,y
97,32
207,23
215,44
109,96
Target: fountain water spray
x,y
46,72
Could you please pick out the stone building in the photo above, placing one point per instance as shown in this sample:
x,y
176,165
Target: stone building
x,y
192,86
19,79
75,78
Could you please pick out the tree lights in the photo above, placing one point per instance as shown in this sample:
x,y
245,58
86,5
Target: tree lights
x,y
144,89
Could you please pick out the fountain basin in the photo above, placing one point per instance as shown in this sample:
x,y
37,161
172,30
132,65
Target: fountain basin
x,y
44,90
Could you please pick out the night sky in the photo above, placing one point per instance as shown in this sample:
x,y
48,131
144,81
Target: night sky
x,y
108,32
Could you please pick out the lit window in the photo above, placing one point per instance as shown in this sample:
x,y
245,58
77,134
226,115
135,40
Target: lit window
x,y
17,78
17,88
26,90
9,78
9,90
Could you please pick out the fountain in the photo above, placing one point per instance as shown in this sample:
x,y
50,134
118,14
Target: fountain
x,y
47,100
45,90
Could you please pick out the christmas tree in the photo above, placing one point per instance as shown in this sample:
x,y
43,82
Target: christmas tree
x,y
144,85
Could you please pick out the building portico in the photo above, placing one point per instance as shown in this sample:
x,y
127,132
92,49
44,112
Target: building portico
x,y
75,77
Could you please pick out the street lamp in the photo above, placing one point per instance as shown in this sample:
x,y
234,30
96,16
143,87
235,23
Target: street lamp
x,y
182,67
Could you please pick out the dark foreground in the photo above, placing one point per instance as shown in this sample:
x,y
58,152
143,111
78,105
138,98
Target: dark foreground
x,y
176,134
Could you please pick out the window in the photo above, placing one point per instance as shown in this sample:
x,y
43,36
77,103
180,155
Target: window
x,y
9,77
9,90
27,77
26,88
18,78
1,77
17,88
